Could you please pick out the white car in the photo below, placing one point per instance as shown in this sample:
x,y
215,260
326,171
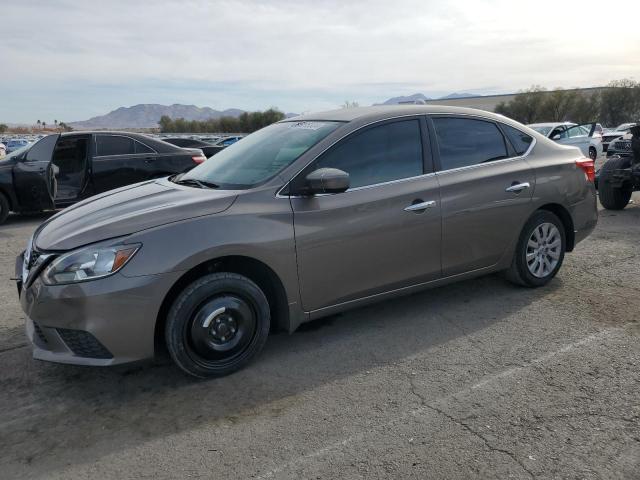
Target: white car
x,y
582,136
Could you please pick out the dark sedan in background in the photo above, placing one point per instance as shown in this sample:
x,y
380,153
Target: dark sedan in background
x,y
62,169
208,148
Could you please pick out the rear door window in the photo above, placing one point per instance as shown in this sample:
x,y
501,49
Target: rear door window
x,y
391,151
108,145
142,148
463,142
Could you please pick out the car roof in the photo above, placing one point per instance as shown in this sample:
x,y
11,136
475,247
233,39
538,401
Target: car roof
x,y
380,112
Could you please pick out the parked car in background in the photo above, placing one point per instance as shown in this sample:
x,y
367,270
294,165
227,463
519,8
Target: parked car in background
x,y
3,150
15,144
207,148
611,136
62,169
567,133
305,218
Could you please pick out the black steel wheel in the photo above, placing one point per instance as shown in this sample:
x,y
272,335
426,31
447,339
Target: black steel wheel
x,y
217,325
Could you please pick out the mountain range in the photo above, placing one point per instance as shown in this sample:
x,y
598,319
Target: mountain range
x,y
147,115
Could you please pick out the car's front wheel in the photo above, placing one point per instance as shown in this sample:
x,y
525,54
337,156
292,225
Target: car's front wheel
x,y
217,324
539,252
4,208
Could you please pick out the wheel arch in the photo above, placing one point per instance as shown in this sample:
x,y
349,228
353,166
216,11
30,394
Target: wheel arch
x,y
256,270
567,222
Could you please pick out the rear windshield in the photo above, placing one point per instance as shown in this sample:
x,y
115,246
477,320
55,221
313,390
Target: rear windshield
x,y
261,155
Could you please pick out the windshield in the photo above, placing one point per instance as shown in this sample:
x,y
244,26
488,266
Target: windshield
x,y
543,130
261,155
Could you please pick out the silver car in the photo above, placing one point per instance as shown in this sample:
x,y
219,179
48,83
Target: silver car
x,y
305,218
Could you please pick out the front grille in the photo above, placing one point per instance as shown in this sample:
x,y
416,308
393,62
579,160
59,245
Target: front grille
x,y
39,332
83,344
622,145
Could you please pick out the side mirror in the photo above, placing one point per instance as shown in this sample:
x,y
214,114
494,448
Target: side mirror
x,y
556,137
326,180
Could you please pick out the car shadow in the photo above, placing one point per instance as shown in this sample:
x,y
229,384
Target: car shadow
x,y
19,219
119,407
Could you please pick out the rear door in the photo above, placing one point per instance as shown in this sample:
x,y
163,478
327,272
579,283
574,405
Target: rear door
x,y
486,187
34,176
579,136
374,237
120,160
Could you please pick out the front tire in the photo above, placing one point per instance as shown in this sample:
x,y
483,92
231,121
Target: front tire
x,y
217,324
593,153
613,198
539,252
4,208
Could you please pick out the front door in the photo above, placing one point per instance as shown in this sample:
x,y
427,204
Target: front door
x,y
34,177
579,136
381,234
485,186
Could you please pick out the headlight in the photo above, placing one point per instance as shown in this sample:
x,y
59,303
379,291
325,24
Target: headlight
x,y
88,264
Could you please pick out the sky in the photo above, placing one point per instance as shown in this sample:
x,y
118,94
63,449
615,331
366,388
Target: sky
x,y
73,59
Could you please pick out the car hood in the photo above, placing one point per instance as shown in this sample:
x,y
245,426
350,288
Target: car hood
x,y
128,210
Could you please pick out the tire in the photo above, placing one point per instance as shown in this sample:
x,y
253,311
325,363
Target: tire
x,y
217,324
530,271
4,208
593,153
613,198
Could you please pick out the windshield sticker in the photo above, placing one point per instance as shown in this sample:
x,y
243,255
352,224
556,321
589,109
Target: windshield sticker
x,y
308,125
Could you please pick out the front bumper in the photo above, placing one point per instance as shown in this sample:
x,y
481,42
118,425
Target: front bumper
x,y
107,321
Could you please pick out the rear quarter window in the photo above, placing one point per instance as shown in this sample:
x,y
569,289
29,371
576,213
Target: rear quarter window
x,y
520,141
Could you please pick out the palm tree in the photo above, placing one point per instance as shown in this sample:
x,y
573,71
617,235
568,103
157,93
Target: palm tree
x,y
56,123
44,125
38,122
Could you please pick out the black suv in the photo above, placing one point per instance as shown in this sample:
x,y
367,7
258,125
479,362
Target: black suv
x,y
62,169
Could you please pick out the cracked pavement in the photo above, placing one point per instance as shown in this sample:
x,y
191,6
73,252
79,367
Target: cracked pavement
x,y
479,379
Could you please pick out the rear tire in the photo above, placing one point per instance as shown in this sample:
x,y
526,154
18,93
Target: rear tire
x,y
217,324
4,208
613,198
539,252
593,153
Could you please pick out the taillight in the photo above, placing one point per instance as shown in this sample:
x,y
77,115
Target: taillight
x,y
198,158
588,167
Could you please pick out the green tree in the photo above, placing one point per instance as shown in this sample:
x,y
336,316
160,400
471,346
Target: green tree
x,y
3,128
526,106
620,102
557,105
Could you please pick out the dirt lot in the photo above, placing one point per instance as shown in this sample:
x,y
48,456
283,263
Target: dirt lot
x,y
475,380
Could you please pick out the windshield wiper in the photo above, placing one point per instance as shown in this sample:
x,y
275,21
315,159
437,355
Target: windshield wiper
x,y
198,183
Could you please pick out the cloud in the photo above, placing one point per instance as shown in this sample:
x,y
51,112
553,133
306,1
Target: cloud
x,y
85,57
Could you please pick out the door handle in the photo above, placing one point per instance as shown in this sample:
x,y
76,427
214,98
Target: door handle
x,y
416,207
518,187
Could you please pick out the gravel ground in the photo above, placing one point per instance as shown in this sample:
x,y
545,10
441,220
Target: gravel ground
x,y
475,380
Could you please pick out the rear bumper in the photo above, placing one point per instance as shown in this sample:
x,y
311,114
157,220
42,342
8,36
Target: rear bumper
x,y
108,321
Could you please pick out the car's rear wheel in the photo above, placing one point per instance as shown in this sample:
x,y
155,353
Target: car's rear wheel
x,y
217,324
593,153
539,252
613,197
4,208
